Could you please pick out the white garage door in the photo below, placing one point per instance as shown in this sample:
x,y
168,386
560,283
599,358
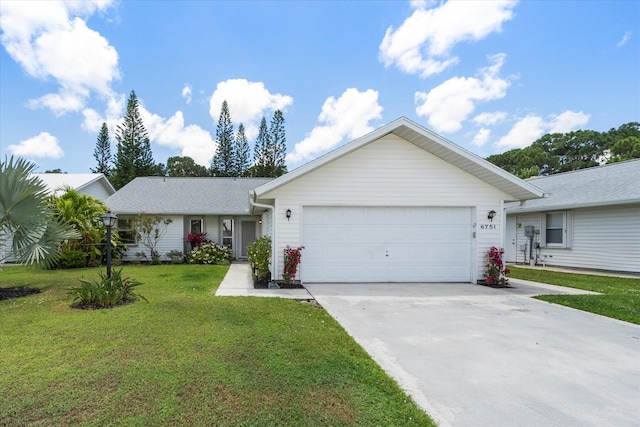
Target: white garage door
x,y
386,244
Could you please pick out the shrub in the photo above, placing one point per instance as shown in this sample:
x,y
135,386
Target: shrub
x,y
197,239
210,253
291,260
73,259
106,292
259,256
175,256
496,270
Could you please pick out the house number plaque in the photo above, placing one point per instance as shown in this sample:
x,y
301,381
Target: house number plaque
x,y
488,227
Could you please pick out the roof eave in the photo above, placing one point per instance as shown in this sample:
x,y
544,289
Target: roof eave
x,y
560,207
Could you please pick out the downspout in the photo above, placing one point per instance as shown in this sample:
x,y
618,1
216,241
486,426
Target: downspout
x,y
273,228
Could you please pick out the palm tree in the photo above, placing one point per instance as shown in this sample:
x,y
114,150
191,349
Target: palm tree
x,y
82,212
25,216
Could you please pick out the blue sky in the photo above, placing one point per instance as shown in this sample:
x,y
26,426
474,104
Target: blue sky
x,y
489,76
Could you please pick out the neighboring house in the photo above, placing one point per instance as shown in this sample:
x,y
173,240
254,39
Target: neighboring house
x,y
216,206
590,219
400,204
91,184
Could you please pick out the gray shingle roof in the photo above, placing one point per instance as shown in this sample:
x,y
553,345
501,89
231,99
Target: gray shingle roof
x,y
613,184
158,195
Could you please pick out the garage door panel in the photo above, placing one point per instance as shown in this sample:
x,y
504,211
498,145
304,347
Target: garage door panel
x,y
360,244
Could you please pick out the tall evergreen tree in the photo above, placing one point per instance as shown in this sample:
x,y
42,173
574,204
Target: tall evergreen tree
x,y
134,157
243,152
102,152
224,160
260,153
278,145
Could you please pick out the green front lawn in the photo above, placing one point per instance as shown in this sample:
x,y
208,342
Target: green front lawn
x,y
620,299
185,358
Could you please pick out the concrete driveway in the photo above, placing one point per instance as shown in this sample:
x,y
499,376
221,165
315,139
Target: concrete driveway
x,y
476,356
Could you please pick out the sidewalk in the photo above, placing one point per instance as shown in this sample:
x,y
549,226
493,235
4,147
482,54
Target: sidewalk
x,y
238,283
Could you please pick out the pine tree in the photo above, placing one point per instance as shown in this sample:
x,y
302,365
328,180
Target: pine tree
x,y
278,146
243,152
134,157
224,160
102,152
260,151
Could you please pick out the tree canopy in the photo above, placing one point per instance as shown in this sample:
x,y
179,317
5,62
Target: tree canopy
x,y
224,160
563,152
102,152
185,166
134,157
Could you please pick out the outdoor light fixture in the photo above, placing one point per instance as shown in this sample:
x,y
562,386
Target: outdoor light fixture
x,y
109,221
491,215
288,214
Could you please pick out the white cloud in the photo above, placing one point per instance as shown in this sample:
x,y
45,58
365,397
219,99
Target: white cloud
x,y
532,127
248,102
481,137
49,41
488,119
43,145
422,43
625,39
186,93
113,115
446,106
567,121
347,116
191,140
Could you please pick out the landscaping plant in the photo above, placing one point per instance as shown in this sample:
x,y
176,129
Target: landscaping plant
x,y
496,270
149,230
291,261
259,256
210,253
197,239
106,292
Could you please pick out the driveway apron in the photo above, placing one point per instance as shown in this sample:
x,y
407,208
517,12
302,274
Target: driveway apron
x,y
476,356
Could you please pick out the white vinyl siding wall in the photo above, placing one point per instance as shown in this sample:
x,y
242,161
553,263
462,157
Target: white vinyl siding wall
x,y
388,172
606,238
173,239
603,239
97,190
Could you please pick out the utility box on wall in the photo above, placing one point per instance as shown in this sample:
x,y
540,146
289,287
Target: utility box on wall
x,y
528,230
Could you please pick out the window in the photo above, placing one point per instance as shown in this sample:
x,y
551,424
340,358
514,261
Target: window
x,y
196,226
227,232
126,232
556,229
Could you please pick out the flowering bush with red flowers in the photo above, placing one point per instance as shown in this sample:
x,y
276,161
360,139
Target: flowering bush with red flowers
x,y
291,261
197,239
496,270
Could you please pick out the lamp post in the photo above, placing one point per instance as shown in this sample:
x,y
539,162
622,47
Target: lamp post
x,y
109,221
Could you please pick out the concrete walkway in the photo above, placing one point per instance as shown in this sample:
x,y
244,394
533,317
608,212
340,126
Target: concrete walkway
x,y
238,283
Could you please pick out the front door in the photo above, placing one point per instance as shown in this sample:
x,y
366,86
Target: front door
x,y
510,240
248,236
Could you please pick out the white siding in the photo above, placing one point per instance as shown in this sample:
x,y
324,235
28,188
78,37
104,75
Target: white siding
x,y
97,190
173,239
389,172
606,238
523,242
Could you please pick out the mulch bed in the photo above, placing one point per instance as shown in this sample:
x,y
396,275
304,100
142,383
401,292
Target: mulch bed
x,y
483,283
265,285
11,293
